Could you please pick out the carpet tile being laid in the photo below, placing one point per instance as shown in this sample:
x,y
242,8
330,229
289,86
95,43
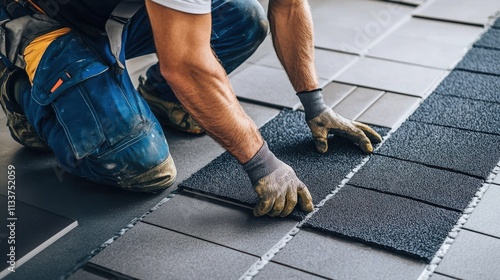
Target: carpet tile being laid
x,y
471,85
481,60
289,137
404,225
416,181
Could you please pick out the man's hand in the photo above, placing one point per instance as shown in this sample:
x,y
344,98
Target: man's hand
x,y
323,121
277,185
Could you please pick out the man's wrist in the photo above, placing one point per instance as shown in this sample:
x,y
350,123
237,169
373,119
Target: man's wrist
x,y
262,164
313,103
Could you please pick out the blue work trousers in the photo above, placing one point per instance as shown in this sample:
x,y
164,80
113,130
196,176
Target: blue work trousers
x,y
95,121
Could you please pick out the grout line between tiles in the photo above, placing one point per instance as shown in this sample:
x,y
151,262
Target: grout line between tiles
x,y
119,234
452,235
454,127
479,232
369,106
451,277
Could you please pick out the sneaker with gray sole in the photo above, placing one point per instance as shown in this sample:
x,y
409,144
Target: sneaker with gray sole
x,y
168,113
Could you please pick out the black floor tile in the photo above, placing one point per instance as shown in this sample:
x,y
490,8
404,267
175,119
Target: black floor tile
x,y
290,139
404,225
490,39
151,252
416,181
471,85
481,60
472,153
221,223
460,113
28,230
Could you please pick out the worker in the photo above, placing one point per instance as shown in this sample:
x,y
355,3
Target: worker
x,y
65,87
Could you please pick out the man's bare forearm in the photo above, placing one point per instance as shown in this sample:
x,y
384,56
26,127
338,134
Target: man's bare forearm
x,y
292,32
199,81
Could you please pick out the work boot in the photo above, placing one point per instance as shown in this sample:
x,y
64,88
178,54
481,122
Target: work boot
x,y
168,113
20,129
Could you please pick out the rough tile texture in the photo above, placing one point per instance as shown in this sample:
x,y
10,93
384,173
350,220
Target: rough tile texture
x,y
484,219
280,272
289,138
464,11
481,60
221,223
472,256
390,110
357,102
85,275
437,276
150,252
341,259
400,224
473,153
490,39
416,181
391,76
427,42
470,85
460,113
351,26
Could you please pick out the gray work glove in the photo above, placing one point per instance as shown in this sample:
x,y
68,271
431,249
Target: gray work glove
x,y
322,121
276,184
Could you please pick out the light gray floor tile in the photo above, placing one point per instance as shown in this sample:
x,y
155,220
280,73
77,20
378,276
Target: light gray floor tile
x,y
264,49
280,272
139,65
357,102
484,219
221,223
427,42
472,256
351,26
340,259
334,93
390,110
465,11
265,85
391,76
328,63
150,252
259,114
437,276
497,179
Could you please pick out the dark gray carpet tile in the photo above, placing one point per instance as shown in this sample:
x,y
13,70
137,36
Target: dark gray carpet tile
x,y
472,153
403,225
471,85
497,23
460,113
289,137
481,60
490,39
416,181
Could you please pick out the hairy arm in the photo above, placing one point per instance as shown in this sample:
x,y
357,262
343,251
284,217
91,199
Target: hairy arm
x,y
292,33
199,81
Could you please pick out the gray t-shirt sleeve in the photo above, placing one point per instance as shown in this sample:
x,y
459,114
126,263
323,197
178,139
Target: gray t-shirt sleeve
x,y
188,6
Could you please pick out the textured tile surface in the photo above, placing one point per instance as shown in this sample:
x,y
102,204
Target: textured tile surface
x,y
472,256
485,216
465,11
427,42
390,110
471,85
334,93
340,259
289,138
481,60
473,153
490,39
150,252
416,181
351,26
221,223
357,102
391,76
400,224
265,85
328,63
280,272
460,113
437,276
85,275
